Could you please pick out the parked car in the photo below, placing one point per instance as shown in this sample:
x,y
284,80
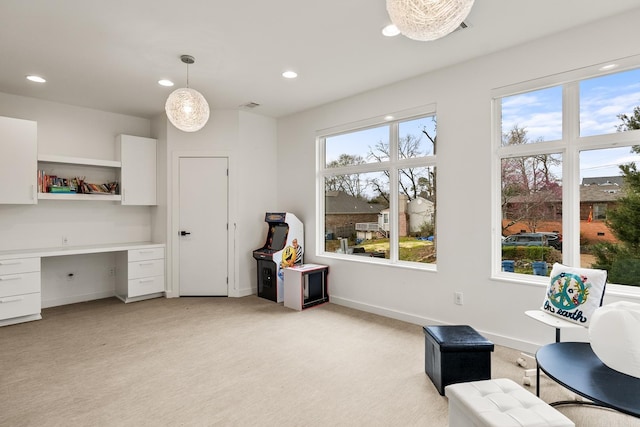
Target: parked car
x,y
542,238
525,239
553,239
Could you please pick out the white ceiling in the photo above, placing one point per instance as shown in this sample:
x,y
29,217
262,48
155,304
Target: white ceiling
x,y
109,55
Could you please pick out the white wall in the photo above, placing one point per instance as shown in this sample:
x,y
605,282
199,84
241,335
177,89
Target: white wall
x,y
78,132
462,95
257,163
249,140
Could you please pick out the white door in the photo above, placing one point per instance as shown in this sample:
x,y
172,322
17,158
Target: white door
x,y
203,231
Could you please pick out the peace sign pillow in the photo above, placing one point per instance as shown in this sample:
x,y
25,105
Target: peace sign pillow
x,y
574,294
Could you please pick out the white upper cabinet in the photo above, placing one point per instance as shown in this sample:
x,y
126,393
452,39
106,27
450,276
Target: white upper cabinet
x,y
18,161
138,170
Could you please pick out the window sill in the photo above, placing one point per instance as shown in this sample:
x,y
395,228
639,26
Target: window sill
x,y
629,293
380,261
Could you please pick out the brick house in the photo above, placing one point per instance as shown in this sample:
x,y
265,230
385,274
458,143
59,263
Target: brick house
x,y
597,195
343,212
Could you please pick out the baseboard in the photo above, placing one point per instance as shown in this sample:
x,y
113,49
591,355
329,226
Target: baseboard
x,y
126,300
501,340
77,298
245,292
22,319
382,311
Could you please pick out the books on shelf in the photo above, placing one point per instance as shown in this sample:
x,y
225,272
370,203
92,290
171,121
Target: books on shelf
x,y
108,188
55,184
60,189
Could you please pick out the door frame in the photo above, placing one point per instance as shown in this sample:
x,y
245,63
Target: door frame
x,y
173,242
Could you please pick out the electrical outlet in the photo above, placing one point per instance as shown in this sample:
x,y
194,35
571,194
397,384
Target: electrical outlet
x,y
65,240
112,272
458,298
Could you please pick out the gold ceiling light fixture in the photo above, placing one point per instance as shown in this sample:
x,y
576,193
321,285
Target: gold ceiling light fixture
x,y
186,108
427,20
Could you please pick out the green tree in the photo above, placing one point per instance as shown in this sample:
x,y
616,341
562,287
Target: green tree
x,y
622,259
629,121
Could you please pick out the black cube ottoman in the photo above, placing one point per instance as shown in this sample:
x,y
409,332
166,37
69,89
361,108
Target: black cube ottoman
x,y
456,354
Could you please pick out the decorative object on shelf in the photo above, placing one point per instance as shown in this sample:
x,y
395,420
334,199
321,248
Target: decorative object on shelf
x,y
426,20
186,108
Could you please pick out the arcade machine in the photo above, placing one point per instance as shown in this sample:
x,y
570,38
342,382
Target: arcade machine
x,y
284,248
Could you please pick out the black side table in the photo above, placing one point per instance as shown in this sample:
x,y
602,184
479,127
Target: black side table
x,y
456,354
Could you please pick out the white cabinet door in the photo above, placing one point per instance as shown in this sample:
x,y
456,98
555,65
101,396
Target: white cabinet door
x,y
18,161
138,172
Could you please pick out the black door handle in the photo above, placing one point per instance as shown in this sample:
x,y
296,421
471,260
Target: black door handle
x,y
184,233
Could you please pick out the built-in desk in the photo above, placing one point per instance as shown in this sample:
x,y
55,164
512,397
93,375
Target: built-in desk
x,y
139,275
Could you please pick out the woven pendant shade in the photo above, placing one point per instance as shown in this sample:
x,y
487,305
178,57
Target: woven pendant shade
x,y
186,108
426,20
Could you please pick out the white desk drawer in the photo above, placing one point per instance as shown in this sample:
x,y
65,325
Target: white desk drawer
x,y
22,283
19,305
146,285
20,265
144,254
154,267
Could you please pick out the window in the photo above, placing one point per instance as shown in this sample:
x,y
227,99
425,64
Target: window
x,y
603,100
379,187
577,172
532,117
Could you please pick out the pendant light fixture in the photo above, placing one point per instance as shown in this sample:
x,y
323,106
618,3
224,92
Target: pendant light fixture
x,y
426,20
186,108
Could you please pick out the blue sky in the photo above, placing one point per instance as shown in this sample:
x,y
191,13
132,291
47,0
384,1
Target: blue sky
x,y
540,113
601,100
358,143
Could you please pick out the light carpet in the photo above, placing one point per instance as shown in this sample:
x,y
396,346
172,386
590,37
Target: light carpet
x,y
230,362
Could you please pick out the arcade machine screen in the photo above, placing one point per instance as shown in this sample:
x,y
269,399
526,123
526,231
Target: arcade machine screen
x,y
279,236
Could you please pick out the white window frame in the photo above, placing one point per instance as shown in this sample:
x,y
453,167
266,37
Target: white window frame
x,y
393,165
569,147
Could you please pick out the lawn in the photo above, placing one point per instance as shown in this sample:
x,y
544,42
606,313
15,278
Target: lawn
x,y
411,249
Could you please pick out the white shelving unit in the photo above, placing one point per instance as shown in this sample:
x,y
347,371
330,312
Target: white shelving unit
x,y
106,169
49,158
135,169
74,196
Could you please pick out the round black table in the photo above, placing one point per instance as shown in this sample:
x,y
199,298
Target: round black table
x,y
575,366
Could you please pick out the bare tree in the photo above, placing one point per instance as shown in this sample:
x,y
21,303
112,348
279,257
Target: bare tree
x,y
530,190
413,182
350,184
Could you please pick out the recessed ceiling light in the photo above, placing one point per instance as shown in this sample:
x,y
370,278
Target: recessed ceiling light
x,y
608,67
387,118
390,31
289,74
36,79
165,82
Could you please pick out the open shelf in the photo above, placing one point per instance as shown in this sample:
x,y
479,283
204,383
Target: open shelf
x,y
48,158
74,196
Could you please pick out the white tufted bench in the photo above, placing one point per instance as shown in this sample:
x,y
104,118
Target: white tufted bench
x,y
499,403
